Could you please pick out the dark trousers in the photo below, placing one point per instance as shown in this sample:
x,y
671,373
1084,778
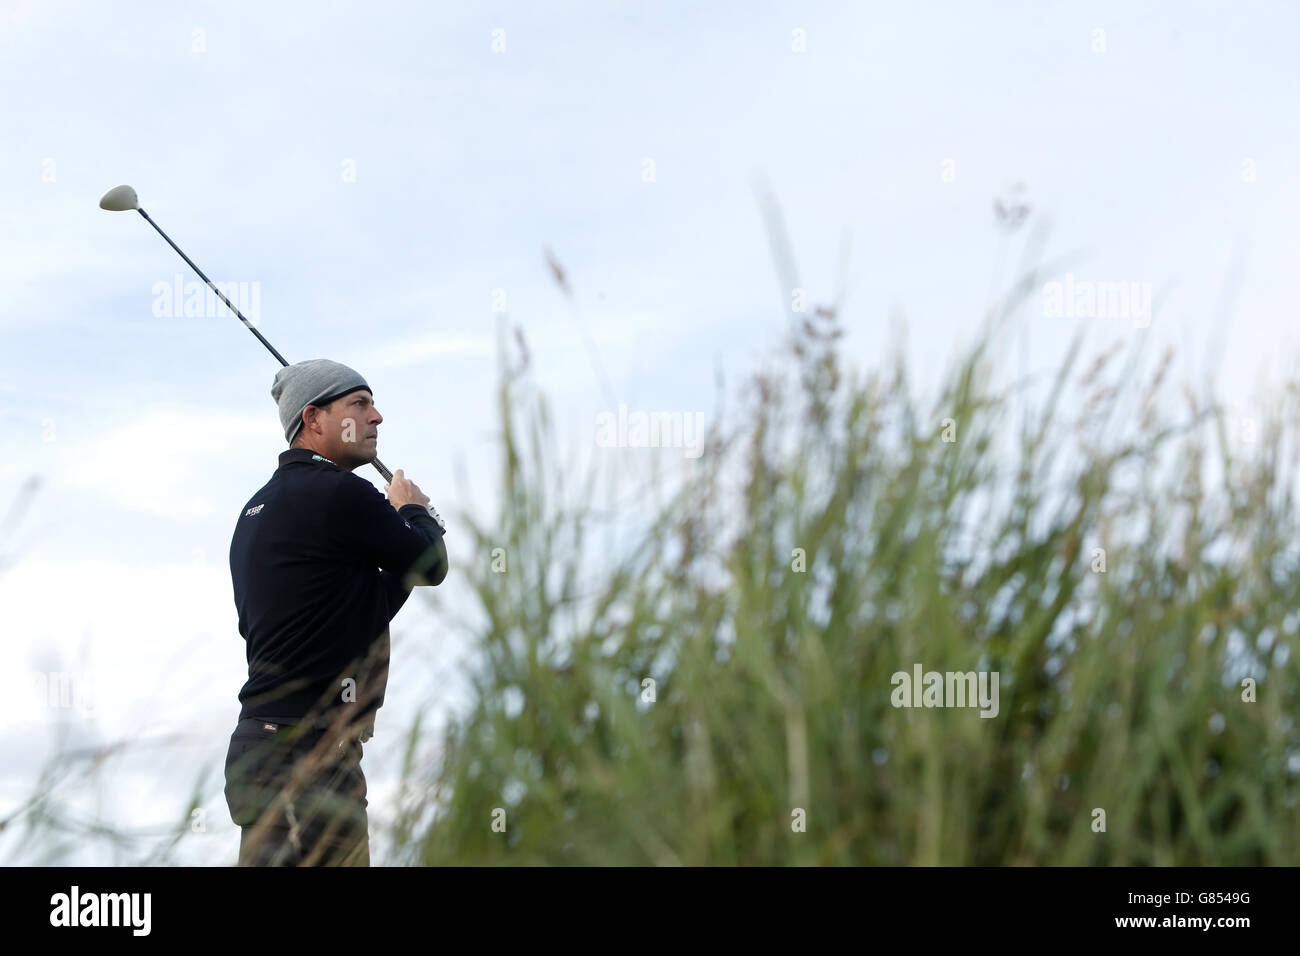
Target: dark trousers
x,y
297,794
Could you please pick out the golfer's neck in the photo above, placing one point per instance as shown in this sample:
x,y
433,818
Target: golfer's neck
x,y
324,453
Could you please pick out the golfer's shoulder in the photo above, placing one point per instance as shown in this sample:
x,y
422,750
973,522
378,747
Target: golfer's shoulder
x,y
350,491
255,505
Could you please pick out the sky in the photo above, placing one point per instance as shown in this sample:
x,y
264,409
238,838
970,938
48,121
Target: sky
x,y
389,177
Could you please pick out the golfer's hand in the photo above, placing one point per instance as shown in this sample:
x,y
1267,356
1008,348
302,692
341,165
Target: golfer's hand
x,y
402,491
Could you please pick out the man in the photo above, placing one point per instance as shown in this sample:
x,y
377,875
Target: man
x,y
320,564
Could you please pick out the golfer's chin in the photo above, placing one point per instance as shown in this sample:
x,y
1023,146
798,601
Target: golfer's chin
x,y
362,453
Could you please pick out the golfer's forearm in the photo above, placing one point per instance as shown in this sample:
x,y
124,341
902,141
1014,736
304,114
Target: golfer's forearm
x,y
438,572
433,565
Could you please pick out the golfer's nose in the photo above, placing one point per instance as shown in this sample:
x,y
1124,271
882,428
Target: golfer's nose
x,y
377,419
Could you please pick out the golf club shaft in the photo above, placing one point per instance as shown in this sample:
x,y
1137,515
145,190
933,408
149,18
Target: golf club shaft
x,y
388,475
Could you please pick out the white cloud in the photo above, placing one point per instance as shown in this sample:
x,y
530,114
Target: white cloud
x,y
162,461
397,353
156,639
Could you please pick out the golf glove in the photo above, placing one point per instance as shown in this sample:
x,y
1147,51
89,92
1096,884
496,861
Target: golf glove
x,y
435,516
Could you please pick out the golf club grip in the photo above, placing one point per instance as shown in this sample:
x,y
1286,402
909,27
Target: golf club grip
x,y
388,476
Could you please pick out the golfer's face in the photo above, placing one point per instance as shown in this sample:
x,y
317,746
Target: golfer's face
x,y
357,423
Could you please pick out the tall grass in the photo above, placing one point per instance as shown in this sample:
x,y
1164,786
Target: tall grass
x,y
934,532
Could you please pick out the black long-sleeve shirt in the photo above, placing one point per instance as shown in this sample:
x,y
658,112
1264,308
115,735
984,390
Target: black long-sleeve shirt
x,y
320,563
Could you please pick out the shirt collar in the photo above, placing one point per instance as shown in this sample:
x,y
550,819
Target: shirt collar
x,y
294,455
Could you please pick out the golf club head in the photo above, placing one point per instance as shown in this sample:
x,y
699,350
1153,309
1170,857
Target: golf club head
x,y
119,199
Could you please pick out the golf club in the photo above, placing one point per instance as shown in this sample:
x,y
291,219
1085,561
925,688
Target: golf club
x,y
122,198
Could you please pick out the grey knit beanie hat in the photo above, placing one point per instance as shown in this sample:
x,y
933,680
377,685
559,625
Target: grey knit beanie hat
x,y
313,382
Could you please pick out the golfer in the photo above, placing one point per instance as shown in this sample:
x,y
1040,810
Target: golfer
x,y
320,563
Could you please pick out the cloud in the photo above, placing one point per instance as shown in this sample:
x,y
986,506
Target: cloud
x,y
160,461
131,640
401,352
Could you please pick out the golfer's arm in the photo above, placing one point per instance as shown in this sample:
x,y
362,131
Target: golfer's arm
x,y
433,563
406,542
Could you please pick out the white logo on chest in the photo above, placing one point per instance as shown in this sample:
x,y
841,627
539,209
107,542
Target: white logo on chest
x,y
255,510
